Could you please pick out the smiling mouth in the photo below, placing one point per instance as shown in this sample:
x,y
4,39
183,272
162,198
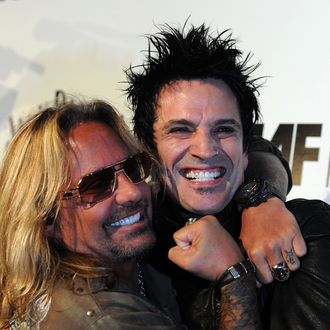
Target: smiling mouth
x,y
204,175
127,221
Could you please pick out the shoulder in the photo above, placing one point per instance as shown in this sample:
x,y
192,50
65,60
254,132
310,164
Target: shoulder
x,y
76,306
313,216
303,301
300,205
72,306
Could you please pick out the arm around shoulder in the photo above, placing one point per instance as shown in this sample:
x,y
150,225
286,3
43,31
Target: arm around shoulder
x,y
304,300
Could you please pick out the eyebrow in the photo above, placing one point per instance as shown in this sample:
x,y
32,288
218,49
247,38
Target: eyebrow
x,y
177,122
229,121
226,122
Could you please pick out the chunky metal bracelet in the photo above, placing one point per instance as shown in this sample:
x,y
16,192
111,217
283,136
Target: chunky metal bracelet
x,y
236,271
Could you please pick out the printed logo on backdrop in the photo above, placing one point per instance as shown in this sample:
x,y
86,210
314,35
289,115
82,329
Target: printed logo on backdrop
x,y
291,140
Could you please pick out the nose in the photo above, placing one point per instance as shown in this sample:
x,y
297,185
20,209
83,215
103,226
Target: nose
x,y
126,191
204,145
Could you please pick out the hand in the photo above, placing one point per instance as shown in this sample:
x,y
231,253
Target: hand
x,y
205,248
270,234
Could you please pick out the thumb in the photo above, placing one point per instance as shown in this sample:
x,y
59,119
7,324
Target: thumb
x,y
182,244
183,238
177,254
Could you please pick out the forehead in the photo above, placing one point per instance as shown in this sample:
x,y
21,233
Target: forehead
x,y
94,145
196,99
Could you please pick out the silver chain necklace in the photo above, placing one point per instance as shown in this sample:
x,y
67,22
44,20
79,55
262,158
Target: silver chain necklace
x,y
140,280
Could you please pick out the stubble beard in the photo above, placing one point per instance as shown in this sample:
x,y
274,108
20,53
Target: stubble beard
x,y
124,251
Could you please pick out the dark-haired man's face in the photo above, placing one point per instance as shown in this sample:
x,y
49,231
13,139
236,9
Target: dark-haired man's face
x,y
199,138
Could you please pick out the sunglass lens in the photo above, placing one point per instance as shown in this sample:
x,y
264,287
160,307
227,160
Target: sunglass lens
x,y
96,186
138,167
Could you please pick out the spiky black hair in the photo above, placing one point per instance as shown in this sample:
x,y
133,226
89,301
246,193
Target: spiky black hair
x,y
175,54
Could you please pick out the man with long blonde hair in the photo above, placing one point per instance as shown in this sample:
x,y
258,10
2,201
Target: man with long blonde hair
x,y
75,227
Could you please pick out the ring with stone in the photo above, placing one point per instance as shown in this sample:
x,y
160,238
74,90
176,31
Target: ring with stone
x,y
280,271
190,221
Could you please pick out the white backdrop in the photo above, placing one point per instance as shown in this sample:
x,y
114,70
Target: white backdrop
x,y
80,46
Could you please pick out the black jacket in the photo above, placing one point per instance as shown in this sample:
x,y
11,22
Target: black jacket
x,y
302,302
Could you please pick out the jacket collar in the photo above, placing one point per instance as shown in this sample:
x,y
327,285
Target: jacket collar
x,y
175,216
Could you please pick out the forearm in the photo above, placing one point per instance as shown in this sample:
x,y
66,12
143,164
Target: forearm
x,y
239,305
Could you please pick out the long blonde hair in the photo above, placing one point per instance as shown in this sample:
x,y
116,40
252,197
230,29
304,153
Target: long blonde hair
x,y
33,172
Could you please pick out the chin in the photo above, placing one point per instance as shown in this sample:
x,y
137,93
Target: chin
x,y
138,249
206,211
204,206
143,244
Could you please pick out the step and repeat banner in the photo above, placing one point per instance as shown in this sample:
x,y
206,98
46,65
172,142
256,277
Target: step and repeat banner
x,y
52,50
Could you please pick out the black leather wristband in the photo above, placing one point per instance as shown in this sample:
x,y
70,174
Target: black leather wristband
x,y
235,272
255,192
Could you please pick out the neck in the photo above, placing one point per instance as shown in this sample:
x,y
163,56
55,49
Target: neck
x,y
128,275
125,270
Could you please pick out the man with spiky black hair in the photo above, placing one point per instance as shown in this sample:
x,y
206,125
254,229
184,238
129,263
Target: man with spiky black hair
x,y
195,104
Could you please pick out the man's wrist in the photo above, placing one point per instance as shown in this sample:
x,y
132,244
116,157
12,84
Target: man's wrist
x,y
235,272
254,192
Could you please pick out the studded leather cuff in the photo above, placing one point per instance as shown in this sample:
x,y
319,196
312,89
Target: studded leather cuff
x,y
235,272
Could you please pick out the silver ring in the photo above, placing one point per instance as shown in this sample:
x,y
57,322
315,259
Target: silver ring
x,y
190,221
280,271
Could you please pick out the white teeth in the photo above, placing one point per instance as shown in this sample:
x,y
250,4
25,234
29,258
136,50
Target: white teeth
x,y
127,221
202,175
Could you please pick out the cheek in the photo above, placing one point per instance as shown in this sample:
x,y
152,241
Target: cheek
x,y
73,222
170,150
171,154
164,160
63,216
164,153
68,222
146,193
234,150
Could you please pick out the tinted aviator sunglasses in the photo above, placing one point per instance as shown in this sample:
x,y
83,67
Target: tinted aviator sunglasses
x,y
97,186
